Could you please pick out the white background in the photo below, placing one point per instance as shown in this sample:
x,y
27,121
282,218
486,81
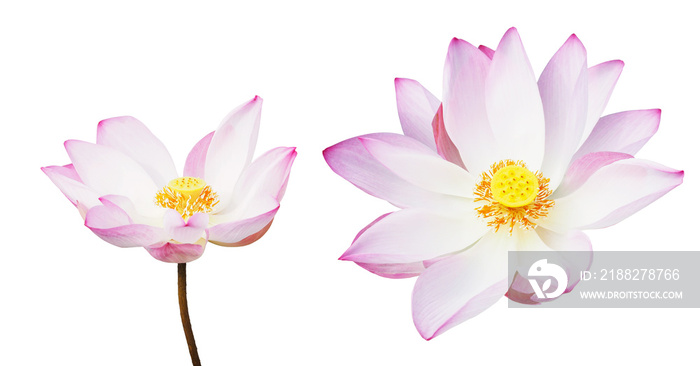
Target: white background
x,y
325,72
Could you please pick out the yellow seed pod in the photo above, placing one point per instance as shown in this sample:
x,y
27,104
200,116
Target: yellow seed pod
x,y
188,186
514,186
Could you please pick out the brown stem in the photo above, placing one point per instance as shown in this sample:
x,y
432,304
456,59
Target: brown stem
x,y
185,314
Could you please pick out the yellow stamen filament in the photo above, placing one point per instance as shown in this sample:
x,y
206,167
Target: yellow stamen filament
x,y
187,196
512,195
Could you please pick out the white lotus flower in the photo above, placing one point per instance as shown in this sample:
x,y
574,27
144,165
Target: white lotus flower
x,y
128,191
505,163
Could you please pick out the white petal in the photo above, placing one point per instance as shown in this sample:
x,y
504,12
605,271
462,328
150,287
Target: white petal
x,y
114,226
177,253
196,159
127,206
185,232
563,88
582,169
231,148
66,179
108,171
135,140
624,132
611,194
394,270
461,286
601,82
423,168
417,107
351,160
413,235
241,232
464,108
513,103
265,178
445,146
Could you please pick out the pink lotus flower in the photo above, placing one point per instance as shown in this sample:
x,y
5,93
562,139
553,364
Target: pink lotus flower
x,y
128,191
505,163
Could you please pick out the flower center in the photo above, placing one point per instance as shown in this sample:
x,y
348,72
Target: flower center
x,y
514,186
512,195
187,196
